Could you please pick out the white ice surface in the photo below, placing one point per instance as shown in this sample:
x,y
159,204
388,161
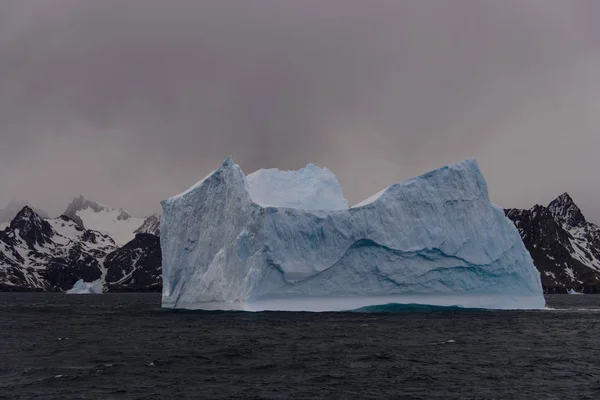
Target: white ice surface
x,y
310,188
82,287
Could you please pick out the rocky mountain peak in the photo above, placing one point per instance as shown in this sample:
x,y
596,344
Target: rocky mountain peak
x,y
12,209
564,209
564,247
81,203
32,228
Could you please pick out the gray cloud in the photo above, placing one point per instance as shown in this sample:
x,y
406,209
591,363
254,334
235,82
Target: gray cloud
x,y
129,102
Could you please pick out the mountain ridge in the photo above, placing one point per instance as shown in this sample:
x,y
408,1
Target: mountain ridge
x,y
564,246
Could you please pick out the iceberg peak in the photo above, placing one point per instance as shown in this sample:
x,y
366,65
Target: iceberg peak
x,y
228,162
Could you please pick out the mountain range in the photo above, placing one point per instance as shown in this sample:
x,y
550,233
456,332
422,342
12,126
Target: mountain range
x,y
91,241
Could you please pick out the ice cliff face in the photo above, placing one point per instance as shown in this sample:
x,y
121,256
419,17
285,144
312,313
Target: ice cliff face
x,y
434,239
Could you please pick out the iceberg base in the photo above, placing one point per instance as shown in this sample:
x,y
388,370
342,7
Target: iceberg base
x,y
324,304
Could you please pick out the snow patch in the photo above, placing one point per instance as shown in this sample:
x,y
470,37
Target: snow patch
x,y
570,273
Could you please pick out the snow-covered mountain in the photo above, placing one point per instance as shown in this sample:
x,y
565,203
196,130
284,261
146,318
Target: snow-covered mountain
x,y
565,247
51,254
115,222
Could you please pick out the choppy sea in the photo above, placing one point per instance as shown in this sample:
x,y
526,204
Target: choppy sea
x,y
124,346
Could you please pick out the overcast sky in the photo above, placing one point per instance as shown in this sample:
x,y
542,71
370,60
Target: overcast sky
x,y
130,102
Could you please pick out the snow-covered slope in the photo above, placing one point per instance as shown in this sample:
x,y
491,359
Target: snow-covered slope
x,y
564,246
115,222
434,239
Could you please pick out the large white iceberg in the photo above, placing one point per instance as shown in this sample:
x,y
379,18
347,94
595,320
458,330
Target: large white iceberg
x,y
286,240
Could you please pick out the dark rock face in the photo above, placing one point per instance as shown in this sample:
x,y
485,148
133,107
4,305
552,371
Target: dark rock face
x,y
565,247
137,266
565,211
62,273
51,254
30,227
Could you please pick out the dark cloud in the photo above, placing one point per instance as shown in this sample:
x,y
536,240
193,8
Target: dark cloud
x,y
130,102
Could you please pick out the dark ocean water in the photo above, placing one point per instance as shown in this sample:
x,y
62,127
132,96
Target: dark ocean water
x,y
124,346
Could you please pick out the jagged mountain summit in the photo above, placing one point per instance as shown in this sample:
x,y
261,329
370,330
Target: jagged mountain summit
x,y
150,225
52,254
12,209
120,225
228,242
565,247
565,211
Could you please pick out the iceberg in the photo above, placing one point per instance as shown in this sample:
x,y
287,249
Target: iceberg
x,y
287,240
82,287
